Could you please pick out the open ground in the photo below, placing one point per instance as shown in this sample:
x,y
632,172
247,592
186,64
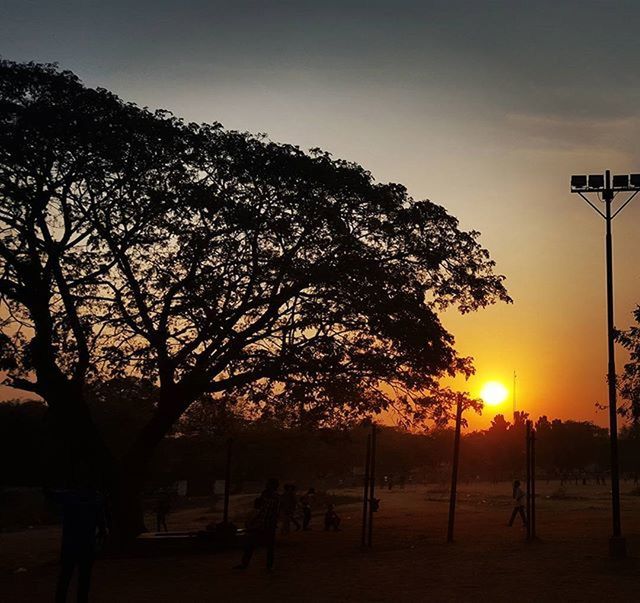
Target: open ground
x,y
409,561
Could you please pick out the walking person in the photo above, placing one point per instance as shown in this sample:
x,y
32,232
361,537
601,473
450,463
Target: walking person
x,y
83,526
518,505
288,504
162,508
307,504
261,527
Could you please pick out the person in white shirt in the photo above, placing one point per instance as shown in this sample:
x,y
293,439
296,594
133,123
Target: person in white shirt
x,y
518,505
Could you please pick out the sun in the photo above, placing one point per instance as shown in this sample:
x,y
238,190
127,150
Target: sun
x,y
493,393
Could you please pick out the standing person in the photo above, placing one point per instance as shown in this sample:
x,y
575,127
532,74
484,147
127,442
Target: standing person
x,y
83,522
288,505
307,505
261,528
518,506
331,519
162,508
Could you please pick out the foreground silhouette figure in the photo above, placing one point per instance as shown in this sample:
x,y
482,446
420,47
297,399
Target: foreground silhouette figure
x,y
518,508
83,521
261,527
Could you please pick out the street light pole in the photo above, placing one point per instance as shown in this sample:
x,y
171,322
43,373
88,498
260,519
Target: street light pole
x,y
607,196
598,184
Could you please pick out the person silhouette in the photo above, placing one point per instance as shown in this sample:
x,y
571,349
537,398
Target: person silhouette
x,y
331,519
288,505
83,522
262,526
518,506
162,509
307,504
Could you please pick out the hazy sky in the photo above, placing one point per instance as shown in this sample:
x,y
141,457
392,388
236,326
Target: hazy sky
x,y
483,107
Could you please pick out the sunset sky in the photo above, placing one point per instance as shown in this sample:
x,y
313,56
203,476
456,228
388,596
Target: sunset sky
x,y
486,108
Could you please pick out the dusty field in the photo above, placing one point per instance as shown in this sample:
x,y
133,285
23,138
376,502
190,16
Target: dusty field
x,y
409,561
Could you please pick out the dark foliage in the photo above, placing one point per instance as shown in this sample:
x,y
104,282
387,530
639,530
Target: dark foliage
x,y
630,382
212,262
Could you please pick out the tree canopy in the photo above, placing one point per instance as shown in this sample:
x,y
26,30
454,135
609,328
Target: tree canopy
x,y
215,263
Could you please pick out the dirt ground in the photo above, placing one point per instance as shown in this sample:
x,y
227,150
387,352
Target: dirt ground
x,y
409,561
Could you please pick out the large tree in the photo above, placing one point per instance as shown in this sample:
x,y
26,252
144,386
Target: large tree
x,y
630,381
213,263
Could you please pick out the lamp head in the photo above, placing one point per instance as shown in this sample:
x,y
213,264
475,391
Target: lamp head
x,y
578,182
596,181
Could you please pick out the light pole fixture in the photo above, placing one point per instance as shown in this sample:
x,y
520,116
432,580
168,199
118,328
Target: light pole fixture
x,y
606,191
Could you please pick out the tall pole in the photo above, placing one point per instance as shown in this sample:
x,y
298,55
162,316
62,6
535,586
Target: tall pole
x,y
227,482
617,545
532,446
514,396
595,183
528,461
365,495
454,472
372,481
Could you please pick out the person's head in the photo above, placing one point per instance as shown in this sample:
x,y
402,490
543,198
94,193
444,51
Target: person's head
x,y
272,484
330,507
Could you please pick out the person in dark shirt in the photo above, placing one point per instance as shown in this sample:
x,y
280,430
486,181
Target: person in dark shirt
x,y
261,528
83,522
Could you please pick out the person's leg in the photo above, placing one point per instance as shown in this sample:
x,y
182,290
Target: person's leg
x,y
84,578
513,515
524,517
286,523
271,547
67,566
249,547
336,524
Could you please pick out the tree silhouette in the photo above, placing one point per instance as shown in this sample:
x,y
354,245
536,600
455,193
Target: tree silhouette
x,y
211,262
630,381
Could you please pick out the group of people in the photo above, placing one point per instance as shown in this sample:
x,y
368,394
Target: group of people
x,y
269,507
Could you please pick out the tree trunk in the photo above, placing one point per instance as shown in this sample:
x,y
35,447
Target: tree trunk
x,y
126,504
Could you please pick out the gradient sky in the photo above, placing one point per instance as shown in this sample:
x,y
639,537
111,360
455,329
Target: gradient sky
x,y
483,107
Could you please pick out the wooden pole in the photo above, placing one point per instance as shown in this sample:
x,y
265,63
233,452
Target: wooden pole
x,y
365,494
372,482
533,484
454,472
528,461
227,482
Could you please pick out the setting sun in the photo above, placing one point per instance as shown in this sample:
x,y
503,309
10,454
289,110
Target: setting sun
x,y
493,393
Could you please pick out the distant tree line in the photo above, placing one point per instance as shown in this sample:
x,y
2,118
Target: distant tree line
x,y
30,454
